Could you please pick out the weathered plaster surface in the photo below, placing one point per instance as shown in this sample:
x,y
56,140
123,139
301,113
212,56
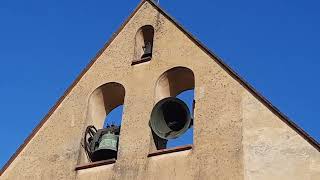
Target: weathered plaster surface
x,y
102,172
272,150
221,107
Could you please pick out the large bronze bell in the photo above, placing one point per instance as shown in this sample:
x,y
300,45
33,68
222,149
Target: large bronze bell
x,y
170,118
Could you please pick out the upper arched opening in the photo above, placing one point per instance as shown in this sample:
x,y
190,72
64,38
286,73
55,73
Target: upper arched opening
x,y
144,42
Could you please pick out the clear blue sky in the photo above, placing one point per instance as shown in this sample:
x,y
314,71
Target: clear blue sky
x,y
44,45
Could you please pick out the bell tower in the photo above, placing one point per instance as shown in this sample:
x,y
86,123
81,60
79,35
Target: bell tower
x,y
223,128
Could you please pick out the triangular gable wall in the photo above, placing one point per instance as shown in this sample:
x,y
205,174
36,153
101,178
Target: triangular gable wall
x,y
198,44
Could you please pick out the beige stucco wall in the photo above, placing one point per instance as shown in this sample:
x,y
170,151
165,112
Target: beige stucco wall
x,y
223,112
272,150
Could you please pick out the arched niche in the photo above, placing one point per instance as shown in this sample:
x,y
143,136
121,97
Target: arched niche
x,y
102,101
173,82
176,82
144,42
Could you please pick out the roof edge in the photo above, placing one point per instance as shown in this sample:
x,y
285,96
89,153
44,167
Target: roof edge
x,y
275,110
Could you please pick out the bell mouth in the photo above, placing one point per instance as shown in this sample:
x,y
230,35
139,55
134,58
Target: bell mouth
x,y
174,114
103,154
170,118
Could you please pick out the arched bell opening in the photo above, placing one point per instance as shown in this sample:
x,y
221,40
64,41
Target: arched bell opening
x,y
104,118
144,43
171,119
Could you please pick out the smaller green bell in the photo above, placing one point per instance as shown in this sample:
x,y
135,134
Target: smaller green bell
x,y
105,143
